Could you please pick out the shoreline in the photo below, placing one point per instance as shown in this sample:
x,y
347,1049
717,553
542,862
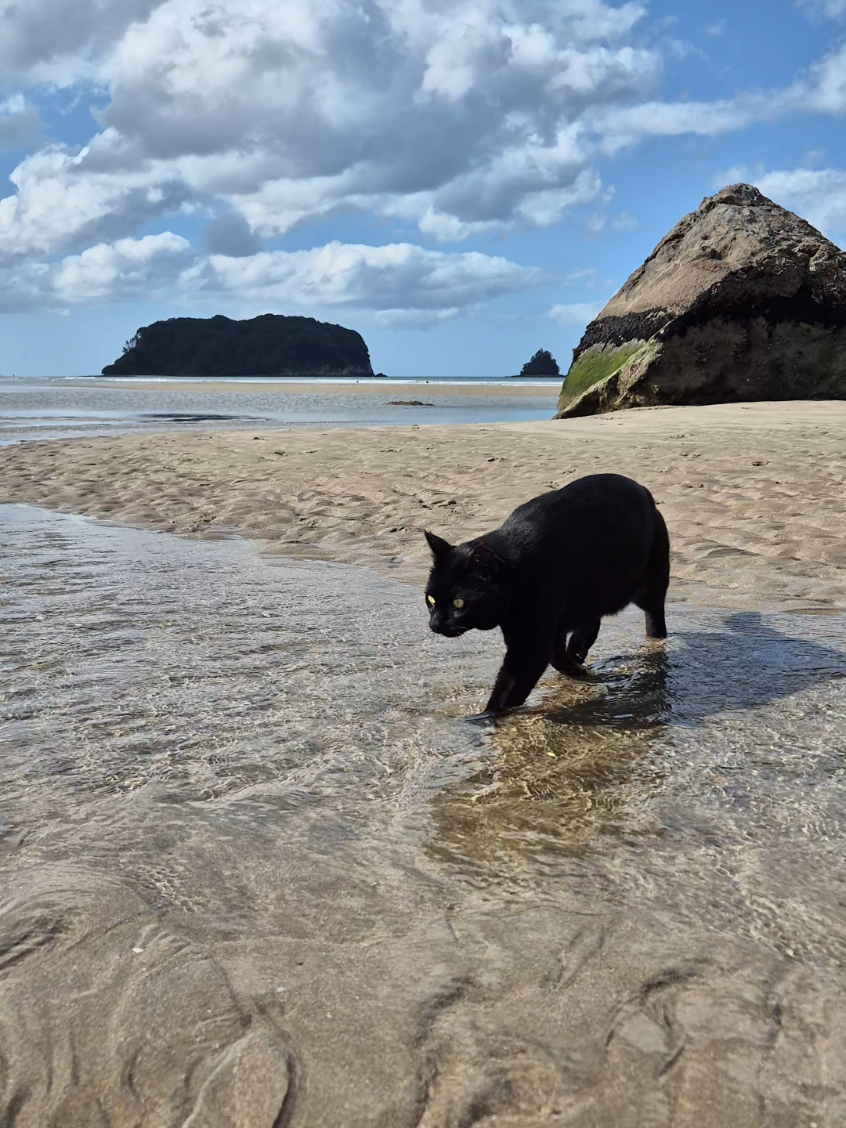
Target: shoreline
x,y
753,494
294,386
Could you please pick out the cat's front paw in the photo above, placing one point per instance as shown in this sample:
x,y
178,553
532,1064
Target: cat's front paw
x,y
571,669
481,720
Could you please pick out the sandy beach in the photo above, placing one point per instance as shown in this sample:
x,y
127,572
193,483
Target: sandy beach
x,y
260,869
363,387
753,494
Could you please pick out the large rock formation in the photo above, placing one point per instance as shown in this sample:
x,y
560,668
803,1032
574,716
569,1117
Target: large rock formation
x,y
743,300
270,345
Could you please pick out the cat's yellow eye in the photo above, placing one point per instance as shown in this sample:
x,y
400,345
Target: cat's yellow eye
x,y
458,603
430,599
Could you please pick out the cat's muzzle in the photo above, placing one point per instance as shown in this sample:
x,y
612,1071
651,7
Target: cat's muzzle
x,y
449,630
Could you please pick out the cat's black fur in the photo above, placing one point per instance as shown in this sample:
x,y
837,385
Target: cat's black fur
x,y
549,573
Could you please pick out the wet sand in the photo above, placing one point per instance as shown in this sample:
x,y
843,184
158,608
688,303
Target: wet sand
x,y
367,387
753,494
257,870
62,409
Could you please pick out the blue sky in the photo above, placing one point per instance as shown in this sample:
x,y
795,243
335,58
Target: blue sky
x,y
464,182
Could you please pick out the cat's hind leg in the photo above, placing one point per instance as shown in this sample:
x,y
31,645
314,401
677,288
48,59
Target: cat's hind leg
x,y
656,626
570,652
656,580
581,640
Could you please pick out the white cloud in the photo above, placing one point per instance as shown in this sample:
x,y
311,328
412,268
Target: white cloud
x,y
59,41
66,200
818,195
826,90
230,234
821,90
599,222
396,283
588,277
624,126
19,121
463,116
397,277
834,9
577,313
131,268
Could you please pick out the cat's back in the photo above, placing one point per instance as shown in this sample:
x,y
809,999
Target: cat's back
x,y
598,514
594,497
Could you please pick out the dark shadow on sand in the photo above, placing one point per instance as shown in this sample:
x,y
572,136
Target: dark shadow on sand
x,y
750,664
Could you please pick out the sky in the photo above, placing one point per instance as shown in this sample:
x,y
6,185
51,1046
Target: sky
x,y
462,181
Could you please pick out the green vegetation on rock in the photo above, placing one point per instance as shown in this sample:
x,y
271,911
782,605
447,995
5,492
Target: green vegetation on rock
x,y
594,365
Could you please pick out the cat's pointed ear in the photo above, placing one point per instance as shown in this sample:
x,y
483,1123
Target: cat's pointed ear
x,y
488,561
438,545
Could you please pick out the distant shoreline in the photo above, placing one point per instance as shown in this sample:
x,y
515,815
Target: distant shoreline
x,y
350,385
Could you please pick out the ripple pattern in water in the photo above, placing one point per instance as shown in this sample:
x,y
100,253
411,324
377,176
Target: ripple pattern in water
x,y
42,409
259,870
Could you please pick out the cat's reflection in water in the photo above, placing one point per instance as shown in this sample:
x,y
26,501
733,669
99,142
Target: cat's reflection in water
x,y
556,776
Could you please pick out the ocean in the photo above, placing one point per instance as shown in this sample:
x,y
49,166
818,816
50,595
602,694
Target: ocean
x,y
40,408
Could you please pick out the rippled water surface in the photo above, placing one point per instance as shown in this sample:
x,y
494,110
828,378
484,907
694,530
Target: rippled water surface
x,y
32,409
256,858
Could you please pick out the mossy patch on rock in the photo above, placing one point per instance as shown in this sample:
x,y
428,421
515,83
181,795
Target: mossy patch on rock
x,y
593,365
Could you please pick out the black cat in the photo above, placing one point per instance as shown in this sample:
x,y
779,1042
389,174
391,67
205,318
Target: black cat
x,y
549,573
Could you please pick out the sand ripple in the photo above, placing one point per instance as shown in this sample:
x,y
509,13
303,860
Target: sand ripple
x,y
753,494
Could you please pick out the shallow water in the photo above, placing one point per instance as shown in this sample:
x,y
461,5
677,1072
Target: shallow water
x,y
256,859
33,409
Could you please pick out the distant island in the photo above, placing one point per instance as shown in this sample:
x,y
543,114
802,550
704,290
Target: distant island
x,y
269,345
543,363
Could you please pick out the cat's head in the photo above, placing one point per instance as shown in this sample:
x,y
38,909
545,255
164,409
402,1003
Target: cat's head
x,y
467,588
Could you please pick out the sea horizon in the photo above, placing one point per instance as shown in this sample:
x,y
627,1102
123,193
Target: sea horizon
x,y
35,408
525,381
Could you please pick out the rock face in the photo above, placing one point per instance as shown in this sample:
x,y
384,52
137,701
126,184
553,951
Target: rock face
x,y
270,345
742,300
